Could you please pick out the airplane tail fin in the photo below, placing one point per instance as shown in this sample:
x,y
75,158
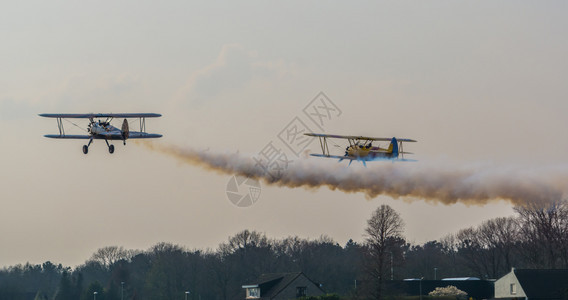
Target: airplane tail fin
x,y
393,147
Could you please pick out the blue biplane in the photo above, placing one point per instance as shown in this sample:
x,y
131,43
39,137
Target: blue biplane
x,y
103,130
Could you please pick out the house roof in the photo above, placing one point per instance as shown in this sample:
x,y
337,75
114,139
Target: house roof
x,y
543,283
460,278
272,284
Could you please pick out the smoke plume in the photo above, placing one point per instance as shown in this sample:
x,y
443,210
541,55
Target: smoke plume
x,y
432,182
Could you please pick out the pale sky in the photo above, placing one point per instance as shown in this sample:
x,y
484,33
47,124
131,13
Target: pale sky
x,y
473,82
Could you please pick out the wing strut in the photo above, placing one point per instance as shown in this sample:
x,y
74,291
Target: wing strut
x,y
60,126
142,124
324,146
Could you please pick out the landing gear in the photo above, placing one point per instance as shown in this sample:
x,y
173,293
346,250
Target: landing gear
x,y
110,147
86,147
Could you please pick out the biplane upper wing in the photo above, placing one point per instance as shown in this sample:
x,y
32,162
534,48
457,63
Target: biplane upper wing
x,y
110,136
355,137
93,116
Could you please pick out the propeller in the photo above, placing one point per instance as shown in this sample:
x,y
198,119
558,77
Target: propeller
x,y
125,131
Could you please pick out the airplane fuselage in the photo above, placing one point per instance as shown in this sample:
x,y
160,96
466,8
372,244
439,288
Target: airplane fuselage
x,y
103,129
367,152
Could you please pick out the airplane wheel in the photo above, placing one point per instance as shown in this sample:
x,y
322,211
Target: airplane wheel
x,y
85,149
111,149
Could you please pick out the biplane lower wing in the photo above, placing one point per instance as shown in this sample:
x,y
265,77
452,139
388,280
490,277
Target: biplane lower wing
x,y
69,136
143,135
361,159
386,151
340,158
332,156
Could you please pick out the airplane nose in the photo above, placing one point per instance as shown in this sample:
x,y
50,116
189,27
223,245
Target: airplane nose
x,y
125,130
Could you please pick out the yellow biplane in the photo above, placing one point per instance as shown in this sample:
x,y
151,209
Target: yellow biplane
x,y
361,148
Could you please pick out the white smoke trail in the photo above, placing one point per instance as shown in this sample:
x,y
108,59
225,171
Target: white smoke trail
x,y
427,181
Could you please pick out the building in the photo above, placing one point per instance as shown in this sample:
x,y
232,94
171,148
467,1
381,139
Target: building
x,y
533,284
282,286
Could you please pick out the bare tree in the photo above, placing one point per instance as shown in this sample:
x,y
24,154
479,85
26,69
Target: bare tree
x,y
383,235
544,229
470,248
242,241
498,237
246,255
170,273
450,247
489,250
107,256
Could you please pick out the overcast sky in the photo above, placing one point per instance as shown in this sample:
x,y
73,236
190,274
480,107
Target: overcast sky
x,y
473,82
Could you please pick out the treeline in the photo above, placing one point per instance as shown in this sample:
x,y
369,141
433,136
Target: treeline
x,y
536,237
167,271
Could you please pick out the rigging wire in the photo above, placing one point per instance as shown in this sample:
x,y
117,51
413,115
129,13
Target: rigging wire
x,y
76,125
335,144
